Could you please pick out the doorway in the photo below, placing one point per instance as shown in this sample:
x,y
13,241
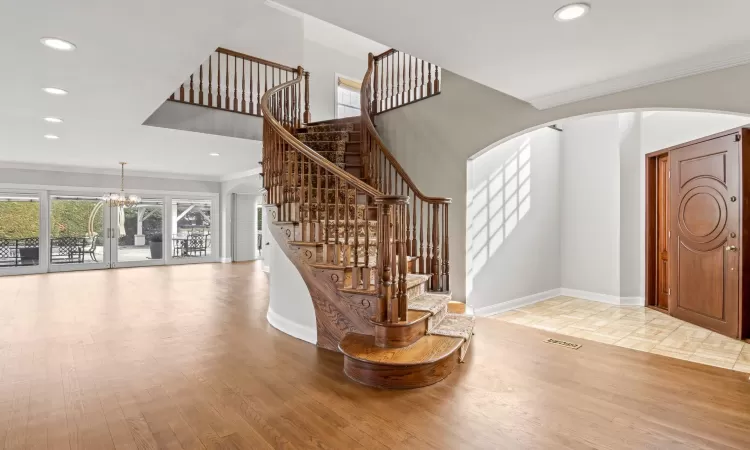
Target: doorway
x,y
693,232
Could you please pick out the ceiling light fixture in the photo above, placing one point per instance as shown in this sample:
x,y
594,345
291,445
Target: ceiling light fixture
x,y
121,198
53,120
58,44
572,12
51,136
55,91
213,154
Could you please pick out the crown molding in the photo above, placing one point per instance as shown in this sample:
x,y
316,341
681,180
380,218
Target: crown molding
x,y
243,174
106,171
724,58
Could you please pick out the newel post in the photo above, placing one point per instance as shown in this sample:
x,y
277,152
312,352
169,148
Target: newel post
x,y
307,116
389,306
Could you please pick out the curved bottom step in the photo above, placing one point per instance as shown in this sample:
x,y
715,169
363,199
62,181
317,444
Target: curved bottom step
x,y
423,363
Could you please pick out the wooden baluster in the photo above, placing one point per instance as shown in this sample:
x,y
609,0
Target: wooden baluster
x,y
236,104
244,93
327,219
347,235
436,88
250,107
375,90
413,249
304,212
446,258
307,117
422,261
226,85
218,80
336,222
384,299
257,78
210,77
381,100
422,86
408,80
402,261
182,92
393,80
435,280
357,273
393,245
403,80
429,80
200,91
408,223
192,91
318,206
397,80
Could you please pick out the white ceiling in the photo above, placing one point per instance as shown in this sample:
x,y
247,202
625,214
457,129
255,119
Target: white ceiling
x,y
518,48
131,55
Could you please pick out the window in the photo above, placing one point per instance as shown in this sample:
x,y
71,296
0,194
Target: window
x,y
191,228
347,97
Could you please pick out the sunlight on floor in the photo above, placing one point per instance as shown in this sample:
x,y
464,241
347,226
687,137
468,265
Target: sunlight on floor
x,y
633,327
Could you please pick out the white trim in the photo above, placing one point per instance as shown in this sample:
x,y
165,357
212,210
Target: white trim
x,y
285,9
108,171
293,329
502,307
225,260
602,298
730,56
66,190
266,269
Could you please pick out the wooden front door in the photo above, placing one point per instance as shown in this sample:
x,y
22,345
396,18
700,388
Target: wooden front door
x,y
662,231
704,223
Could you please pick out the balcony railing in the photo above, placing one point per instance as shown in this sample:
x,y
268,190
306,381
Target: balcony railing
x,y
400,79
234,81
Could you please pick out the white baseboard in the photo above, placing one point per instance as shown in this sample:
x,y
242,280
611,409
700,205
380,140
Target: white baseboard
x,y
603,298
498,308
293,329
225,260
266,269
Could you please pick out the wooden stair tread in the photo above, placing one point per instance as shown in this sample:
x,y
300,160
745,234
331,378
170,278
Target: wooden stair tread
x,y
428,349
415,279
460,308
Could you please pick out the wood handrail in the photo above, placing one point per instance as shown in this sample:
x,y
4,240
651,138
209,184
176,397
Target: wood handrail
x,y
370,127
307,151
385,53
255,58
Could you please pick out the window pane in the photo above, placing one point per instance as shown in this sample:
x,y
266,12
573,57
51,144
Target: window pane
x,y
19,230
76,230
140,231
191,228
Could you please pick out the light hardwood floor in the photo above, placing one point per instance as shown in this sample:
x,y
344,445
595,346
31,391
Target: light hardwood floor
x,y
183,358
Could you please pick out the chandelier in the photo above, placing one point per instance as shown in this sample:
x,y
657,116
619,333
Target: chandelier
x,y
120,198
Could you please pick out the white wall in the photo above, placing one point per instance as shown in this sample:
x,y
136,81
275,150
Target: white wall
x,y
514,220
590,205
245,227
324,63
246,185
290,307
662,129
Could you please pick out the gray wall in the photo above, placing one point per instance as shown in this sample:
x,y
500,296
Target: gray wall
x,y
514,220
434,138
181,116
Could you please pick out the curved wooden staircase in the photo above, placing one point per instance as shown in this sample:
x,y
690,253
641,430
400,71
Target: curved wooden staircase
x,y
371,248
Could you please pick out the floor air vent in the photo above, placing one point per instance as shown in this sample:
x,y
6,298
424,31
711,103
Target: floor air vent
x,y
565,344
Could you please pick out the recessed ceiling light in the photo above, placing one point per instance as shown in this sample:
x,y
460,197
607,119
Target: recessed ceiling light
x,y
55,91
213,154
51,136
58,44
53,120
572,12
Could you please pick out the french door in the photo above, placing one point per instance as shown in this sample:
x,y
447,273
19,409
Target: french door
x,y
87,233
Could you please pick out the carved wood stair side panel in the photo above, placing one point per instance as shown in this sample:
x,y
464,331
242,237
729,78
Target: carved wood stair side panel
x,y
336,313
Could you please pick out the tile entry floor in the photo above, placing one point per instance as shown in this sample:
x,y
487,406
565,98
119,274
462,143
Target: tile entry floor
x,y
633,327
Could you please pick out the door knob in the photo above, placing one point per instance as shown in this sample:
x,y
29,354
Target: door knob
x,y
731,248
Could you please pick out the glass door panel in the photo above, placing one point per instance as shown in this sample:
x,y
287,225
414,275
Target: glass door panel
x,y
78,232
139,232
19,232
191,229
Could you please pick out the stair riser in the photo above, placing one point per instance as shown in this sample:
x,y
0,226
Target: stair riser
x,y
399,377
401,336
